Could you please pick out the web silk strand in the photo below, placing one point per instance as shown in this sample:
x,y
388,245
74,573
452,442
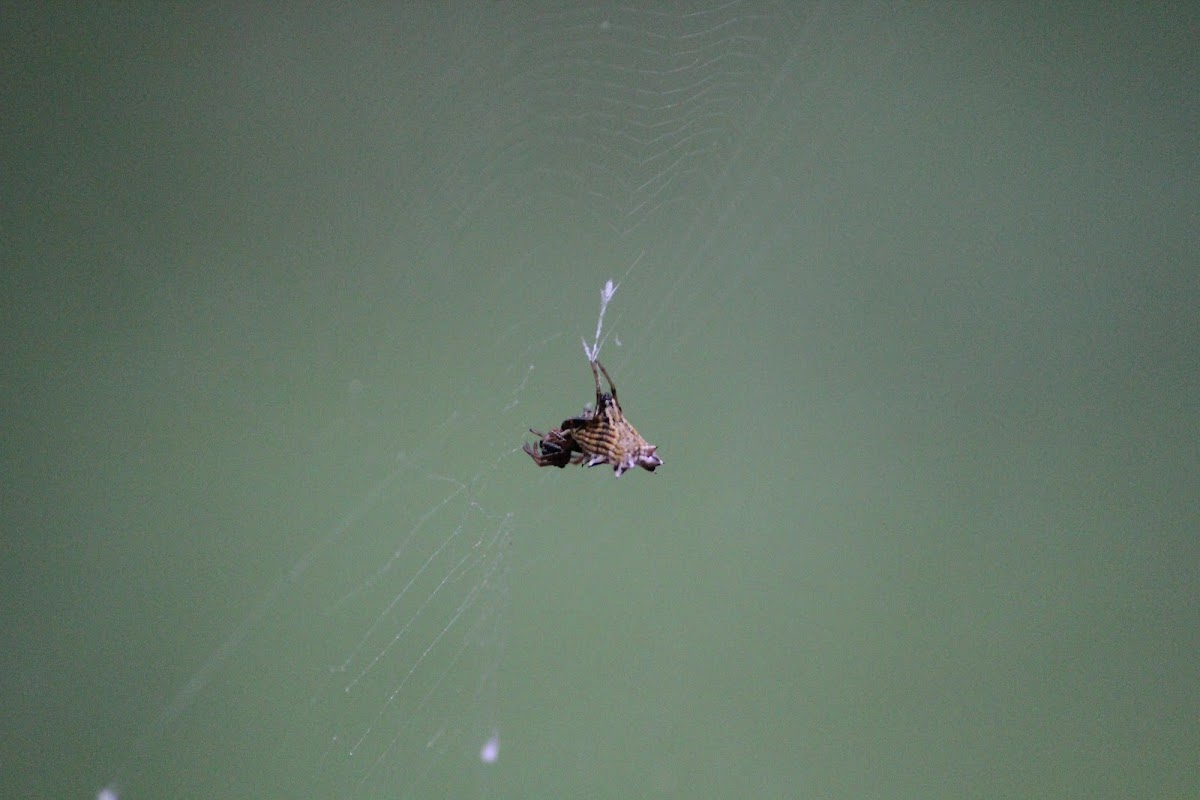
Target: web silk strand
x,y
606,294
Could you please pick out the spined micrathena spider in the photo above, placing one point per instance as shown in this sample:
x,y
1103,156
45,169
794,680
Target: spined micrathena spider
x,y
601,435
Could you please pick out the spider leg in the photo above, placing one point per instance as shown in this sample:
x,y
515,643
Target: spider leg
x,y
547,450
596,377
612,388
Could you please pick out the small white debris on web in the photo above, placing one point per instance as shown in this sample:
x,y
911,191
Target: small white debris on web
x,y
490,751
606,294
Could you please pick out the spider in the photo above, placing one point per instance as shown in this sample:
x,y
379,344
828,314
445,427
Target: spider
x,y
600,435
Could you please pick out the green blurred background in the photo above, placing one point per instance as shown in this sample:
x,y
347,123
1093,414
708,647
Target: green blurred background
x,y
908,303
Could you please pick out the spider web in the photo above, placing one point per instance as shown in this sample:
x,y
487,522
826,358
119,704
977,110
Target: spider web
x,y
562,146
901,304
